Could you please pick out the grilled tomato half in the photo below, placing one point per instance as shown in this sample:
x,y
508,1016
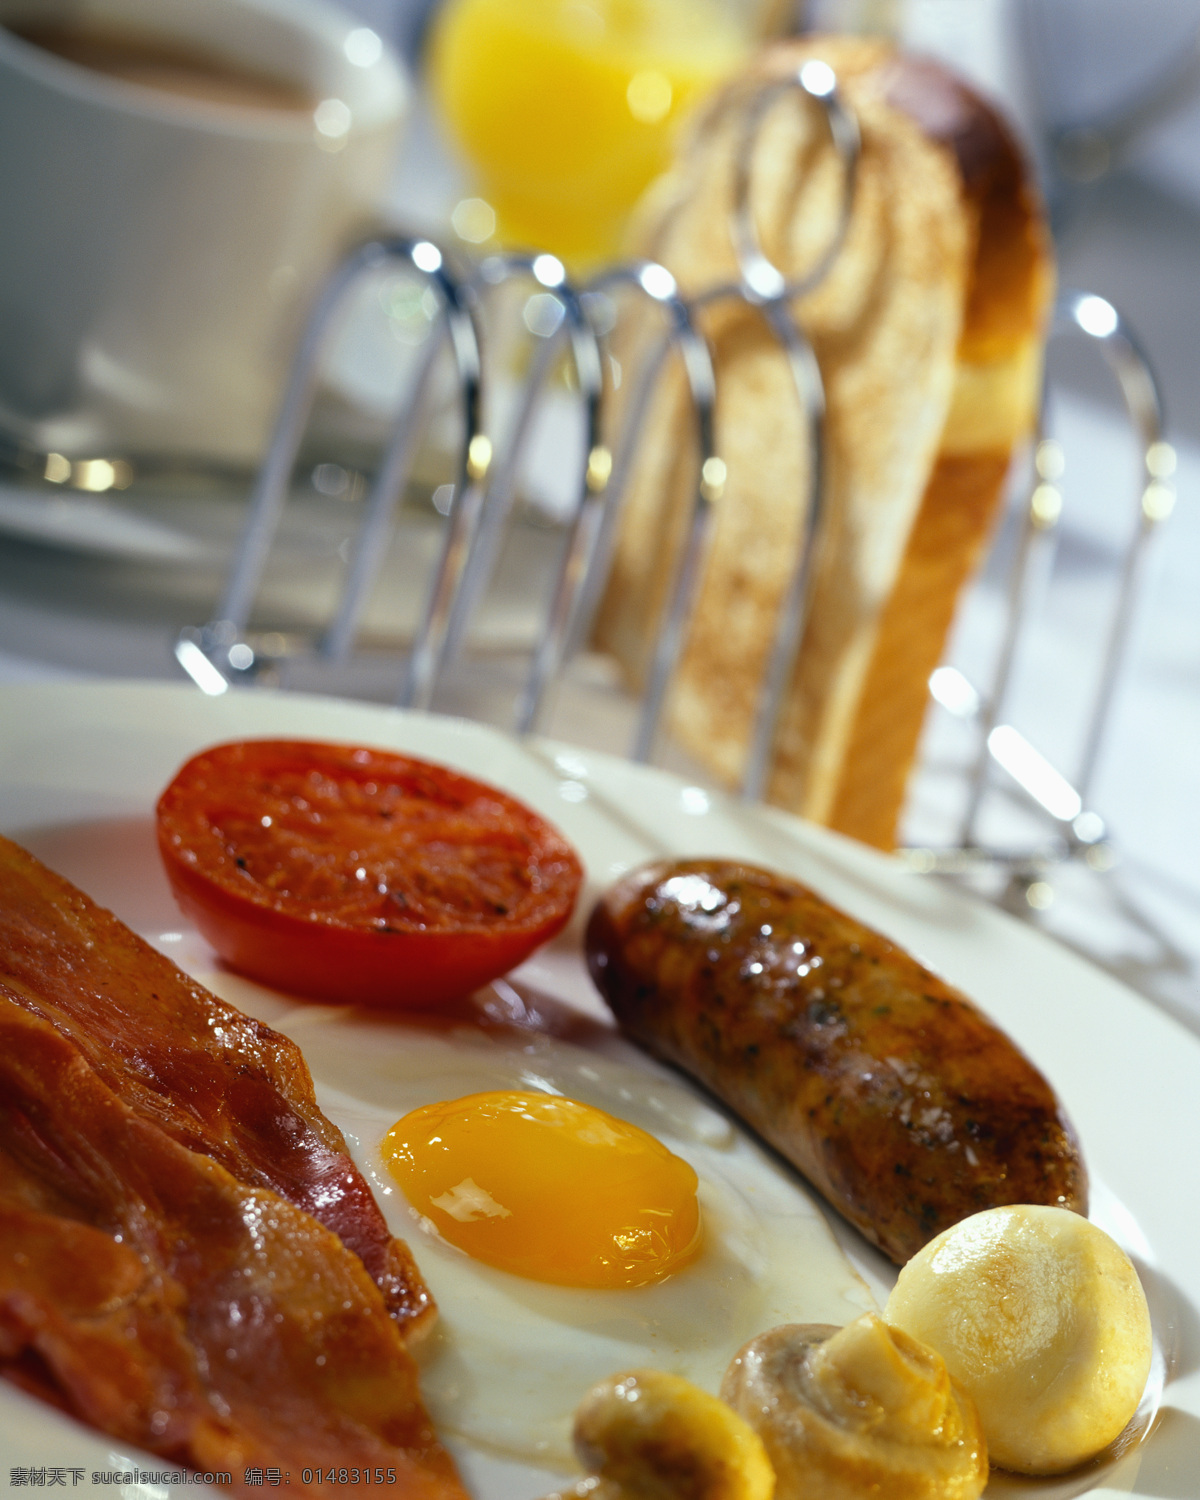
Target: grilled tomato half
x,y
361,876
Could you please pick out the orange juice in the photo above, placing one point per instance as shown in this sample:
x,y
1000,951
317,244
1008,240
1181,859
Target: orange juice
x,y
566,108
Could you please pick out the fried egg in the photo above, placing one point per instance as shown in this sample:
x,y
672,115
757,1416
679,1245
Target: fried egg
x,y
514,1349
625,1209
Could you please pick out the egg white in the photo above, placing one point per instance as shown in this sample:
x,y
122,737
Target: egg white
x,y
510,1358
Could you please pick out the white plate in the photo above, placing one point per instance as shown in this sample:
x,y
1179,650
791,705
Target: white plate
x,y
80,768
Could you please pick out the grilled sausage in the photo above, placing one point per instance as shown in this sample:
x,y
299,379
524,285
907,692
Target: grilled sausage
x,y
903,1104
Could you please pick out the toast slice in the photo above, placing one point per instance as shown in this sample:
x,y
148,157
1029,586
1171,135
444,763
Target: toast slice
x,y
929,331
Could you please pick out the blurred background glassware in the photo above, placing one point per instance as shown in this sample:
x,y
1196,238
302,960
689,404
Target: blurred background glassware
x,y
176,180
565,109
1115,86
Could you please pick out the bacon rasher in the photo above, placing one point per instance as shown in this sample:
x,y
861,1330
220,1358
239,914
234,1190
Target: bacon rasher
x,y
153,1280
214,1079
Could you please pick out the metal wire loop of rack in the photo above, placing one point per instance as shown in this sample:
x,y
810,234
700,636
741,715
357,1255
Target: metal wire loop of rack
x,y
462,575
218,653
547,271
585,563
764,285
761,278
1066,803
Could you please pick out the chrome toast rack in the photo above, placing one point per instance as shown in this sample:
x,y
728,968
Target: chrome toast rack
x,y
225,653
1076,829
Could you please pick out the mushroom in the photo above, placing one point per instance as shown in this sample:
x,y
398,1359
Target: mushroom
x,y
1042,1318
648,1435
859,1411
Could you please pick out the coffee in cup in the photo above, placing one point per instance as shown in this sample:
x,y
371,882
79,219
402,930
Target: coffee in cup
x,y
177,180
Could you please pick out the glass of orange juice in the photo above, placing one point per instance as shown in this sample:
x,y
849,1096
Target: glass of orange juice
x,y
566,108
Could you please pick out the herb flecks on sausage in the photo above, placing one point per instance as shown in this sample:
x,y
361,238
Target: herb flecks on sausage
x,y
897,1098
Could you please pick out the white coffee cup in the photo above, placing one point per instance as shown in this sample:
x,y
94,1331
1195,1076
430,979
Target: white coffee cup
x,y
158,253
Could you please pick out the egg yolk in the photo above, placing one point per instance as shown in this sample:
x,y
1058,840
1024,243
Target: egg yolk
x,y
548,1188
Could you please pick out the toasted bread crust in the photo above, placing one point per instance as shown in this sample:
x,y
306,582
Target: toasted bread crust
x,y
1011,275
950,531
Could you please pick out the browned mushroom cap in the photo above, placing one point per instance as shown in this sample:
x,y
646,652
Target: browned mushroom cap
x,y
862,1410
647,1435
